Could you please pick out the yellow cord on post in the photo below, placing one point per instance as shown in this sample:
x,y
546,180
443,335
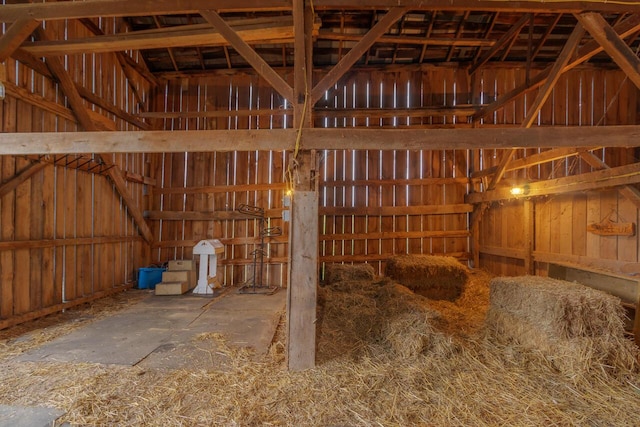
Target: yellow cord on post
x,y
290,172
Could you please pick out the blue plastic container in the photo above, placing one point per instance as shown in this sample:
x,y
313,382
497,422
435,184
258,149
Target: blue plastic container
x,y
149,277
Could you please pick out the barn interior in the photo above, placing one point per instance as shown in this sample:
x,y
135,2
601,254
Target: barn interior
x,y
403,194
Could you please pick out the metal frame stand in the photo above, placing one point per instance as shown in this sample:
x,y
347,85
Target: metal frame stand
x,y
257,286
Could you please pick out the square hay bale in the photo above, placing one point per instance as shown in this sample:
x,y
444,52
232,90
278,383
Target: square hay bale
x,y
574,327
559,308
435,277
335,273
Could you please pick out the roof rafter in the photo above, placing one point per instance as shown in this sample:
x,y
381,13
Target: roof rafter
x,y
250,55
356,52
625,28
617,49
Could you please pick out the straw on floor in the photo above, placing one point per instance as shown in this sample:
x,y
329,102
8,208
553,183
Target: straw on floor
x,y
447,376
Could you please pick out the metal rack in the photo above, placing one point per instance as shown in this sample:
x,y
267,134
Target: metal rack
x,y
257,285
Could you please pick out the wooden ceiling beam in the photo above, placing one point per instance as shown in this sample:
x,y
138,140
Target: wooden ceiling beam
x,y
126,68
249,54
605,178
347,61
554,74
545,36
119,8
507,37
629,192
169,49
15,35
617,49
315,139
534,160
483,5
624,29
543,95
252,31
437,111
466,42
427,35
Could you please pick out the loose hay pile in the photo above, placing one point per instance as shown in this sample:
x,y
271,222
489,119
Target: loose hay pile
x,y
575,327
357,317
480,381
434,277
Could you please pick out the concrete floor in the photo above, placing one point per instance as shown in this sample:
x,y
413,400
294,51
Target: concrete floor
x,y
165,332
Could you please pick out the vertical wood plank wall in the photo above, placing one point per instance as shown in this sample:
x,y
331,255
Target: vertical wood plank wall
x,y
587,97
373,204
65,235
377,203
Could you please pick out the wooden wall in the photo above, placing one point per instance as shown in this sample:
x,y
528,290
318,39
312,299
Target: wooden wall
x,y
65,234
374,203
587,97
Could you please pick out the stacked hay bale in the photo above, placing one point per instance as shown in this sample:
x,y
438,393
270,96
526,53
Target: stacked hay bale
x,y
336,273
435,277
575,327
373,316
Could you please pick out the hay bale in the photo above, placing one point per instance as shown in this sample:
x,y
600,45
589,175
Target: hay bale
x,y
559,308
335,273
434,277
574,327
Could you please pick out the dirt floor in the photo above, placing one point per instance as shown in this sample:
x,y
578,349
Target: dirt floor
x,y
459,374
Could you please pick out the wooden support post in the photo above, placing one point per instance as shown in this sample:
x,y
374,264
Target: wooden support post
x,y
303,281
529,237
303,234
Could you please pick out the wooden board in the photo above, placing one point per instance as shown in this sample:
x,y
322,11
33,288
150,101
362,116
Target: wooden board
x,y
625,288
302,292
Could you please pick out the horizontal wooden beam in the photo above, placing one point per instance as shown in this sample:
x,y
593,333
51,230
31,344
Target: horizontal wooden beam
x,y
221,188
552,257
207,216
383,257
431,41
235,241
54,243
116,8
315,139
397,235
393,182
434,111
396,210
22,318
480,5
250,31
534,159
606,178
